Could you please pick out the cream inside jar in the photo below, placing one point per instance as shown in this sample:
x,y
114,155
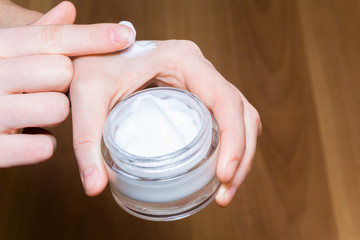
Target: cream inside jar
x,y
160,146
153,126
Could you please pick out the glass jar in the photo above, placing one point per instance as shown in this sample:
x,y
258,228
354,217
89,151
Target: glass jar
x,y
167,187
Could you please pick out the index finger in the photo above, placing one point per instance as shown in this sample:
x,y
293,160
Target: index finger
x,y
70,40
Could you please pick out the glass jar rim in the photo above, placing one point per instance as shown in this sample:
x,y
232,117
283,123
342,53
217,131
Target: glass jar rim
x,y
167,160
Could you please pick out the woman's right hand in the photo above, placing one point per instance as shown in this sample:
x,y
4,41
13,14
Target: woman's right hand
x,y
36,71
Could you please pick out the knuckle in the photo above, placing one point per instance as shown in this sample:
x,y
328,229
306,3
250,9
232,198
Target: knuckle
x,y
188,45
64,107
247,167
60,107
255,116
80,84
209,63
237,98
188,48
46,150
93,40
41,148
66,71
83,143
180,54
50,39
184,48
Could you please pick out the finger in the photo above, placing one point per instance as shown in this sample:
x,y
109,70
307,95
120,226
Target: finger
x,y
228,190
228,111
33,110
89,115
38,73
70,40
63,13
226,103
21,149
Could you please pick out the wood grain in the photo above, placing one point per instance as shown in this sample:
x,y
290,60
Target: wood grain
x,y
298,62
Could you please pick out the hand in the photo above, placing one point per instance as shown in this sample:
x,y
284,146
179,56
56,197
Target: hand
x,y
33,61
101,81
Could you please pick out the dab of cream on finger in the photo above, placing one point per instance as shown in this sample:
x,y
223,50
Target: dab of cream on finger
x,y
139,48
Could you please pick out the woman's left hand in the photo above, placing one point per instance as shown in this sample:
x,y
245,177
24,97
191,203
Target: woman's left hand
x,y
100,81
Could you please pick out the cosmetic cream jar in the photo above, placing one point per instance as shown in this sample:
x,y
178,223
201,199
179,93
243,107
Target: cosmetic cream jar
x,y
168,186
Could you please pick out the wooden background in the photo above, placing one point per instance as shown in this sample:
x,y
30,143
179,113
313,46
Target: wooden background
x,y
297,61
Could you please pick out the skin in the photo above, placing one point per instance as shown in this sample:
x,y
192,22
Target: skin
x,y
180,64
34,59
109,77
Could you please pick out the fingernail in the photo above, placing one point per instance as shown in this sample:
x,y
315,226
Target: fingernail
x,y
132,36
222,190
90,178
123,35
225,194
128,24
231,169
230,193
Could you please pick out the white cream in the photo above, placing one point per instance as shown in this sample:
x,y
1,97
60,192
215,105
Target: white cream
x,y
161,147
156,127
128,24
139,48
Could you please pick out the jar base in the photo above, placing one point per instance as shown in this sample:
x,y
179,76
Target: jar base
x,y
169,211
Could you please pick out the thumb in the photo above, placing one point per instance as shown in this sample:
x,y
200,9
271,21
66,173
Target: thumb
x,y
63,13
89,115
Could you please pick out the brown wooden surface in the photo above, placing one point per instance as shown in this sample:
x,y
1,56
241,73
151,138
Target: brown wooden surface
x,y
297,61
